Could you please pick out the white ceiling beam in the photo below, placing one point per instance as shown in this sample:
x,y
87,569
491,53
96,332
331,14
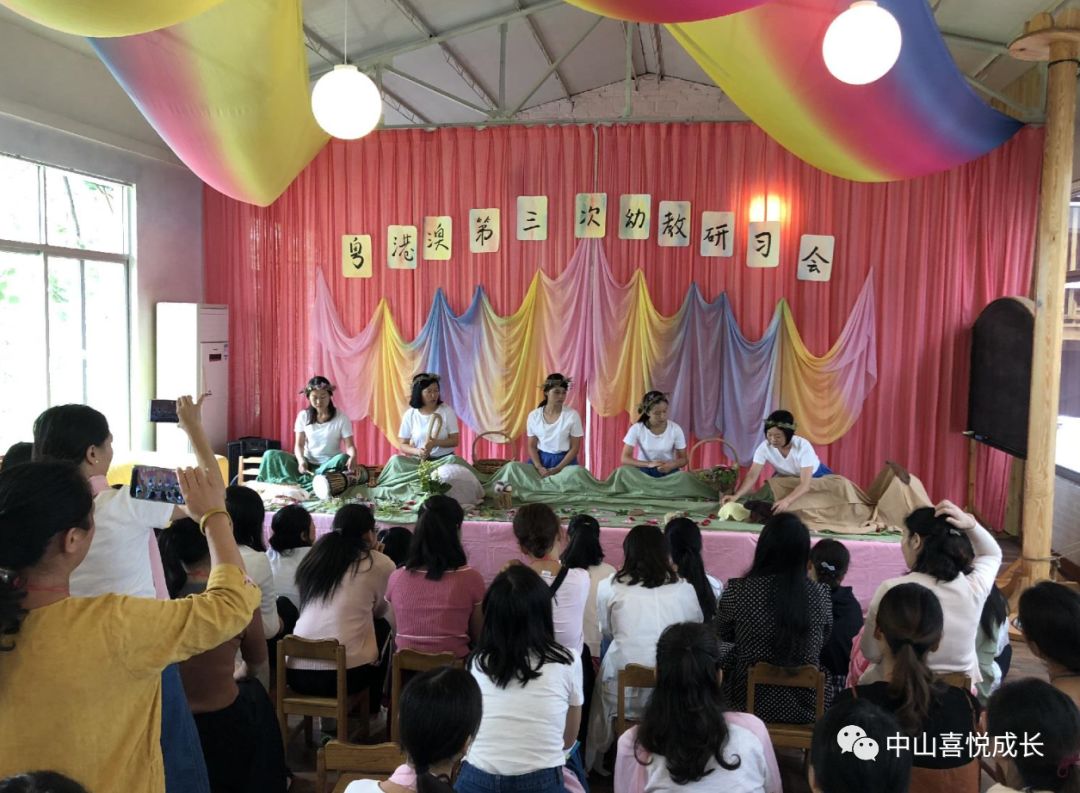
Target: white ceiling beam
x,y
542,46
436,90
554,66
659,52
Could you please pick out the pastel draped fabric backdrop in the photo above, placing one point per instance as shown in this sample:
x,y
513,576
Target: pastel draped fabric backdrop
x,y
935,250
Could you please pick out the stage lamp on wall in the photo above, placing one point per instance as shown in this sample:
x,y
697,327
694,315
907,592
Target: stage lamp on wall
x,y
862,44
346,102
766,208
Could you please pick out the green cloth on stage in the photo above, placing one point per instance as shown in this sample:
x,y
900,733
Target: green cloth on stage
x,y
282,468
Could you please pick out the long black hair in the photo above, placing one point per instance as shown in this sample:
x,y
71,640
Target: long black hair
x,y
995,612
536,528
583,550
554,380
838,770
909,617
518,636
684,539
65,432
182,545
1032,707
783,421
17,454
782,551
40,782
946,551
684,720
37,502
830,559
290,528
336,554
419,383
646,558
1050,619
436,540
319,383
246,509
440,712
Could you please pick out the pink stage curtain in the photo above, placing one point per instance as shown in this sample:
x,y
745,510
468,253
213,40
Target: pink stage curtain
x,y
939,248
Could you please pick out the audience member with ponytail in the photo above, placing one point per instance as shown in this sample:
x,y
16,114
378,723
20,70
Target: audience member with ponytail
x,y
684,540
993,648
686,737
440,715
583,551
776,614
954,557
1029,708
81,677
1050,619
342,583
237,724
248,513
436,596
292,532
909,628
829,560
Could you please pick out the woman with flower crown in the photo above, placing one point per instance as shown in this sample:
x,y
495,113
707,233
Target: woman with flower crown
x,y
654,444
554,430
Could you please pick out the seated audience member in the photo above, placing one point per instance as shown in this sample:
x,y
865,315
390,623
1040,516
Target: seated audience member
x,y
643,598
993,649
954,557
124,557
342,584
1050,619
440,715
396,541
686,738
291,533
81,688
835,767
1048,718
237,724
829,560
247,512
436,597
40,782
583,551
531,688
540,538
776,614
17,454
684,540
909,624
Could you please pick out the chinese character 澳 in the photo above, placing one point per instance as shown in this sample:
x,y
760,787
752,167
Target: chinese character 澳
x,y
437,238
673,225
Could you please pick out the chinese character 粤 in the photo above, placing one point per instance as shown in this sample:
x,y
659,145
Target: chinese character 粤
x,y
483,232
811,264
533,219
437,238
717,235
402,248
356,253
635,219
673,225
763,243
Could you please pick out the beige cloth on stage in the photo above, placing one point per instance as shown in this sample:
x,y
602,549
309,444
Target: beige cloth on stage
x,y
835,503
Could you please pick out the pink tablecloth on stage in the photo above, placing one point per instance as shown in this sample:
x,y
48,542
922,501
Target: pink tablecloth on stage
x,y
727,554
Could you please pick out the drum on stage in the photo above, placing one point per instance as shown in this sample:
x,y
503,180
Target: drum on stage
x,y
334,483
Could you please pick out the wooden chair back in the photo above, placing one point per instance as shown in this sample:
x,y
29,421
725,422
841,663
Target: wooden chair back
x,y
405,664
289,702
356,761
795,736
248,469
631,676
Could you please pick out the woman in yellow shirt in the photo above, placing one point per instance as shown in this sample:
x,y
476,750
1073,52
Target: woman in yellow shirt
x,y
80,678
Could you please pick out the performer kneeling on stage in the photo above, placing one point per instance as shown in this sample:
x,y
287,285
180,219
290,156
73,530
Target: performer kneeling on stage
x,y
660,444
429,429
554,431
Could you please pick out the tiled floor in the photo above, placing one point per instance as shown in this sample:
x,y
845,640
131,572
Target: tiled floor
x,y
1024,664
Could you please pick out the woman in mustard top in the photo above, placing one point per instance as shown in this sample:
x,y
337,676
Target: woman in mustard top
x,y
80,678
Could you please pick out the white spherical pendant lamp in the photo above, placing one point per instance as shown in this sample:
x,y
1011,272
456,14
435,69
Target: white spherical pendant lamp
x,y
862,44
346,103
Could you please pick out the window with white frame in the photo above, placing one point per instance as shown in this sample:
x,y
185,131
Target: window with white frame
x,y
65,256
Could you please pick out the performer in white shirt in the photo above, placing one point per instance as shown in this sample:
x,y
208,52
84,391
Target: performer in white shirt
x,y
554,430
654,444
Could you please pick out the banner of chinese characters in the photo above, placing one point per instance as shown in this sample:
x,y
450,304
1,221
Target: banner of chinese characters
x,y
612,342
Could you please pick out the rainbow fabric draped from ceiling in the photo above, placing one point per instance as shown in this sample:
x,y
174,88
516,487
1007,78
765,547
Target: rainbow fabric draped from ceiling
x,y
108,17
920,118
614,345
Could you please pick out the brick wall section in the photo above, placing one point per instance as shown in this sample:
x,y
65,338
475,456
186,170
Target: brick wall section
x,y
654,99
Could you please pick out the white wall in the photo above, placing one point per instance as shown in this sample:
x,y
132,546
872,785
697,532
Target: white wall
x,y
62,107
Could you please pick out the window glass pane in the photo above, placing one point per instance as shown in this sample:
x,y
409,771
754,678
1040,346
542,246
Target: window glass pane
x,y
19,206
23,357
107,385
1068,435
84,212
65,331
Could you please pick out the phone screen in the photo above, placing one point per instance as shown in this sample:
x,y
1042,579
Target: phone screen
x,y
155,484
163,410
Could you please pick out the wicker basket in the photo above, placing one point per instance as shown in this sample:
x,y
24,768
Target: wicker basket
x,y
704,474
489,466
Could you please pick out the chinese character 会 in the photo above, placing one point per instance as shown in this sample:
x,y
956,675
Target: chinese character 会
x,y
813,259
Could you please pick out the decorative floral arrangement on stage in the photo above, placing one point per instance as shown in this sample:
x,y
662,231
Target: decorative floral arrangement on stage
x,y
429,481
722,478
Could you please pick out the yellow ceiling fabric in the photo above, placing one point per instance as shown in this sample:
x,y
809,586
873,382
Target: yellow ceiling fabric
x,y
108,18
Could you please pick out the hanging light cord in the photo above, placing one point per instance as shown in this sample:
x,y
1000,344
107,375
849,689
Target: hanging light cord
x,y
345,51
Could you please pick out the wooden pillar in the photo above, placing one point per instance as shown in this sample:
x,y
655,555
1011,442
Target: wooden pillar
x,y
1056,41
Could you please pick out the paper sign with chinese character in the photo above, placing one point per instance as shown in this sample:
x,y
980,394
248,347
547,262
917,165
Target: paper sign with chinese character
x,y
401,247
635,216
590,215
438,236
484,232
532,218
816,257
717,233
673,224
763,244
356,255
